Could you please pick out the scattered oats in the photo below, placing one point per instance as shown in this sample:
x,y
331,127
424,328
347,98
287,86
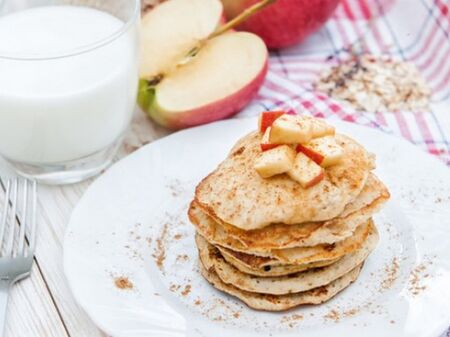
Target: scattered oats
x,y
377,83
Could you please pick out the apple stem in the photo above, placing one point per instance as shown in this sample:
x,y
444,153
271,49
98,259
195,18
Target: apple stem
x,y
241,17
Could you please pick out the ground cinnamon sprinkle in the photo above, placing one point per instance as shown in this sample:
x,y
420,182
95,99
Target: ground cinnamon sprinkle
x,y
174,287
123,283
415,279
391,271
351,312
291,320
187,290
159,253
333,315
182,258
177,236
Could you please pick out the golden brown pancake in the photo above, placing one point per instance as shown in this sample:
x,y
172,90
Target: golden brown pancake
x,y
266,266
295,283
237,195
327,233
302,255
280,236
282,302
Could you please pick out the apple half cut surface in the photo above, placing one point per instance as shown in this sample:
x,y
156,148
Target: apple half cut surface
x,y
215,82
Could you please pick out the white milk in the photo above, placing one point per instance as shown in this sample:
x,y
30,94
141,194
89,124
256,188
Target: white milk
x,y
62,109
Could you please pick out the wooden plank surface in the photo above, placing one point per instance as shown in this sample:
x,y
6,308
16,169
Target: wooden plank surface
x,y
42,305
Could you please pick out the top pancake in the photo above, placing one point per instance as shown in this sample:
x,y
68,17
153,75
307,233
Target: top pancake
x,y
237,195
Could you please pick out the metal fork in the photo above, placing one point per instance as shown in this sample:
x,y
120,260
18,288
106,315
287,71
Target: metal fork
x,y
17,237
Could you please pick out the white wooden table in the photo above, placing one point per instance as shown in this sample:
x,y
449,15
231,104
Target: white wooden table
x,y
42,305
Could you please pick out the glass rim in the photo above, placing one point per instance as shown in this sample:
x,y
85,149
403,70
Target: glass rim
x,y
79,50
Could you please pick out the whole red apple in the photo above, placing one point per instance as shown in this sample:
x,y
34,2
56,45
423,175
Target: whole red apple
x,y
284,23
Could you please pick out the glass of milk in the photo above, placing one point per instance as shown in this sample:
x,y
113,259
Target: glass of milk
x,y
68,84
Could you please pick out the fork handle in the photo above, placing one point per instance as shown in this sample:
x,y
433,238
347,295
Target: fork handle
x,y
4,291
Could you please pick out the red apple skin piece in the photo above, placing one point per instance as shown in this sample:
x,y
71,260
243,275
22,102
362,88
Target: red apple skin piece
x,y
224,108
313,155
316,180
267,118
266,147
285,22
265,144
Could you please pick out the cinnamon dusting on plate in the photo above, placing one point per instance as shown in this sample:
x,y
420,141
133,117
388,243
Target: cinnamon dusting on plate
x,y
123,283
159,253
391,274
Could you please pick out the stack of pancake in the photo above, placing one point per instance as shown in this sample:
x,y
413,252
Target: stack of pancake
x,y
276,245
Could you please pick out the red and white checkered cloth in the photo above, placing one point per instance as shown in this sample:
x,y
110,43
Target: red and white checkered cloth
x,y
413,30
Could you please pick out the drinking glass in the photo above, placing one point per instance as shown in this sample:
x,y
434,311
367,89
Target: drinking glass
x,y
64,109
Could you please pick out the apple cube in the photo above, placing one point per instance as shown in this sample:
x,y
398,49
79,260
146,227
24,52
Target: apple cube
x,y
320,128
327,147
275,161
289,129
265,144
313,155
305,171
267,118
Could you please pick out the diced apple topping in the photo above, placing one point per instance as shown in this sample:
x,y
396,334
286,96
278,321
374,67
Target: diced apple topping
x,y
265,144
327,147
320,128
267,118
275,161
290,129
305,171
313,155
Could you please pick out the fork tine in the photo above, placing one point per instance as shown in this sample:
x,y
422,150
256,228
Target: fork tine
x,y
24,219
32,219
5,213
12,217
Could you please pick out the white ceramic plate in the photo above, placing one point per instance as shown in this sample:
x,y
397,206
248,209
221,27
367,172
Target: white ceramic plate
x,y
132,222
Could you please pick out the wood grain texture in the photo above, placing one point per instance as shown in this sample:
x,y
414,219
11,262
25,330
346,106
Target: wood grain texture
x,y
43,305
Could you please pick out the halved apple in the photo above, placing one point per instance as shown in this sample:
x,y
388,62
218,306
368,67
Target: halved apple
x,y
290,129
267,118
275,161
188,78
171,29
327,147
305,171
265,143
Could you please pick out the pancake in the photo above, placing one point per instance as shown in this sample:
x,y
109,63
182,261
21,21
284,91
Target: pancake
x,y
282,302
282,238
279,236
302,255
265,266
237,195
295,283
